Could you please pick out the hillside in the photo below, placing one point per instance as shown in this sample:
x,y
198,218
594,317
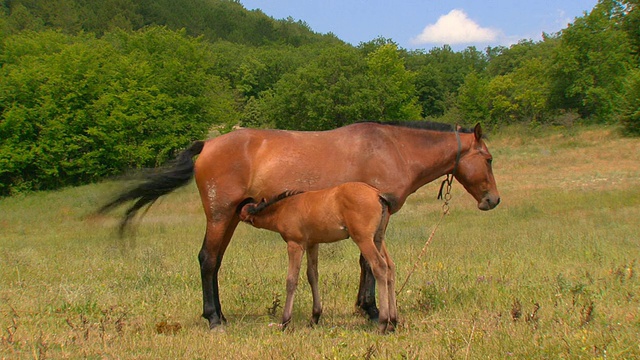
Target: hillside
x,y
213,19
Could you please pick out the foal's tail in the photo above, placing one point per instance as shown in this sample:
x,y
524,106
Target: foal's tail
x,y
156,184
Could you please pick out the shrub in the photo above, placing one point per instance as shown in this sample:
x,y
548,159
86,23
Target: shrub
x,y
630,109
75,109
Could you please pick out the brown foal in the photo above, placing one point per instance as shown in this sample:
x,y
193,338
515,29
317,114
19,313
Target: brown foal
x,y
306,219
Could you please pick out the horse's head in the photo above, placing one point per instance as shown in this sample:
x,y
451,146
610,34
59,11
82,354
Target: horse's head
x,y
475,174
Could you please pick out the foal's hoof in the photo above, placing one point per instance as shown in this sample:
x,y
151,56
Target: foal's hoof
x,y
279,326
386,328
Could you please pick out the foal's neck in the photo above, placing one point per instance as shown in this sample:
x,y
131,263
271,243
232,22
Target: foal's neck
x,y
267,218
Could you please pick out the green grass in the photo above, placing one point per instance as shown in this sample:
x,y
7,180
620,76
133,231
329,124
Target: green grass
x,y
553,272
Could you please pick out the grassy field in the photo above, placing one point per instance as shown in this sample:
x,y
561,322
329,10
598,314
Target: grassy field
x,y
553,272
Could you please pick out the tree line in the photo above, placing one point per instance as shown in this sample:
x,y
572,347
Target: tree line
x,y
90,89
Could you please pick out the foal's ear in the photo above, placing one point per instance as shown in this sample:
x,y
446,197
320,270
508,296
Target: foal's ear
x,y
478,131
243,213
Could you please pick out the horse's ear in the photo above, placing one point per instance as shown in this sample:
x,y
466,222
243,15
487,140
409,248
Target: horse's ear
x,y
478,131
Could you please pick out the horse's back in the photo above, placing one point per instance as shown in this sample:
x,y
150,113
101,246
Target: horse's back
x,y
260,143
254,163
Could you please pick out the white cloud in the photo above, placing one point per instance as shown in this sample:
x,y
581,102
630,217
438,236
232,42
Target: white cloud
x,y
455,28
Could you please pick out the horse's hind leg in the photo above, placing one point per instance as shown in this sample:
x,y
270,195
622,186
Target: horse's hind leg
x,y
312,276
296,251
379,269
366,301
215,243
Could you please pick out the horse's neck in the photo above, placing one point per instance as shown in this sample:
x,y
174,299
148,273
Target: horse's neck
x,y
433,155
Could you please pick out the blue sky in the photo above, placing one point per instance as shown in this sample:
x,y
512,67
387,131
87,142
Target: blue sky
x,y
424,24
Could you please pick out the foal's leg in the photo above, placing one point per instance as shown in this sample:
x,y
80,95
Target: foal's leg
x,y
295,261
312,276
391,267
391,287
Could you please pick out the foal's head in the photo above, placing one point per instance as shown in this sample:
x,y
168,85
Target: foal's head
x,y
475,174
249,211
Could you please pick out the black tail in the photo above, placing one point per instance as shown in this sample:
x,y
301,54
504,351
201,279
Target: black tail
x,y
156,184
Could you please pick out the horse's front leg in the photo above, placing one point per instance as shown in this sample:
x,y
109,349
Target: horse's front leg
x,y
366,302
296,251
312,277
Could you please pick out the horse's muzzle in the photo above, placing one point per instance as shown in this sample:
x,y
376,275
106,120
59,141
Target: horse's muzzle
x,y
488,202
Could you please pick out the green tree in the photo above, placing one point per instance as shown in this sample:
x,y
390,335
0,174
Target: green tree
x,y
506,60
21,18
77,109
320,95
472,99
630,23
432,91
532,90
503,109
213,19
389,92
340,87
591,63
630,105
439,75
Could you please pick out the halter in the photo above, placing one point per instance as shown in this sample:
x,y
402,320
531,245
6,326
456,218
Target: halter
x,y
448,180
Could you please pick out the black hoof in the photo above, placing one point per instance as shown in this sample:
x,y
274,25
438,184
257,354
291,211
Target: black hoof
x,y
215,322
370,312
373,314
215,326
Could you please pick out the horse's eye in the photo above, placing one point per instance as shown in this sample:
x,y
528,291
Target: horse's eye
x,y
490,161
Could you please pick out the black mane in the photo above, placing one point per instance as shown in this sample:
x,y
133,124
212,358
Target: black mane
x,y
425,125
264,204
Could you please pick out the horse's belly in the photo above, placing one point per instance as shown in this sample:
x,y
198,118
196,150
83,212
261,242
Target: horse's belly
x,y
304,174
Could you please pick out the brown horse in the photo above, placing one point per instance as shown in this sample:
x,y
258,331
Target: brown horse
x,y
304,220
248,164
